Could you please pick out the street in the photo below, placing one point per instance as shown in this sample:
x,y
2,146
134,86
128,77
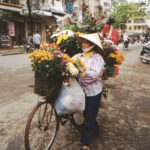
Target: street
x,y
124,126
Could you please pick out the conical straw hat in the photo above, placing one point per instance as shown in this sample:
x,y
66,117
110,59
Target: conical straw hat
x,y
94,38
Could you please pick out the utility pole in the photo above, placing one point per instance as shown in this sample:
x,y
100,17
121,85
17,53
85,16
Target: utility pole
x,y
30,15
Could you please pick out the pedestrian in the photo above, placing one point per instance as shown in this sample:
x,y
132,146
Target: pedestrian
x,y
91,84
37,40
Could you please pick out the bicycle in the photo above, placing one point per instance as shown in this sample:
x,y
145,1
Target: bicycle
x,y
47,124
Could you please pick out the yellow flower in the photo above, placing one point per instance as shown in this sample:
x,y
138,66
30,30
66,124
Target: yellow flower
x,y
68,58
112,55
58,42
81,66
65,37
39,61
42,58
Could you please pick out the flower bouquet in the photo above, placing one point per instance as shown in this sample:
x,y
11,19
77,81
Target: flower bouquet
x,y
68,43
113,57
51,68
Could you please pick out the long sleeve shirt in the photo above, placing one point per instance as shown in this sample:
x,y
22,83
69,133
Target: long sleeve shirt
x,y
92,81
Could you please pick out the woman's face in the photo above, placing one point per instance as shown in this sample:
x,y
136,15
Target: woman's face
x,y
85,44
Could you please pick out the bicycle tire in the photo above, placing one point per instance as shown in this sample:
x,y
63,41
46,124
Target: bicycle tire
x,y
77,124
40,125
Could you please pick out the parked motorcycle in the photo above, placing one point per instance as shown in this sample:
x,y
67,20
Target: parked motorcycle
x,y
145,55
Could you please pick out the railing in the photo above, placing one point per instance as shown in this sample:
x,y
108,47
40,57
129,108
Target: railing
x,y
15,2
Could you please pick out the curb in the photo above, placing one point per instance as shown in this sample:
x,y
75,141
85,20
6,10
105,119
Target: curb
x,y
12,53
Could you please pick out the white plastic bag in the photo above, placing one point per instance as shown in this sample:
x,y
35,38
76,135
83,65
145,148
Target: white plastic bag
x,y
71,99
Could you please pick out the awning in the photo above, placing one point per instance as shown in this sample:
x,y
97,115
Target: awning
x,y
60,18
42,13
57,11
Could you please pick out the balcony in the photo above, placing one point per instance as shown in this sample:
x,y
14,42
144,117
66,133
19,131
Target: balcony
x,y
13,2
12,5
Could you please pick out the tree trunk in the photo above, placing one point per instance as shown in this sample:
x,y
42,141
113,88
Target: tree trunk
x,y
30,15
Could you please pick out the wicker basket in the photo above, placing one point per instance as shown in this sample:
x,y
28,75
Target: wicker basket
x,y
46,86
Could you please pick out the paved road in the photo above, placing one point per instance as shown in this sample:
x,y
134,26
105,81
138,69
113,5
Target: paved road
x,y
124,126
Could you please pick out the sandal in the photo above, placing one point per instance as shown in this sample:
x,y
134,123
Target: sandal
x,y
84,147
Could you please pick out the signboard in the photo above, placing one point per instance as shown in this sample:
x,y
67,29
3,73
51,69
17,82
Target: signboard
x,y
11,29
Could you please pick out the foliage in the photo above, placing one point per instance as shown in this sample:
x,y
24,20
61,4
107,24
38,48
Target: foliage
x,y
89,23
50,30
68,44
105,92
125,11
53,63
112,56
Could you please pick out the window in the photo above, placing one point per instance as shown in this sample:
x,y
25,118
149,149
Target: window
x,y
139,27
130,28
11,1
129,21
139,20
135,28
69,6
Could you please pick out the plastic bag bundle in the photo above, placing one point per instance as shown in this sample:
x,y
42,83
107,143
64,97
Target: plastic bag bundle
x,y
71,99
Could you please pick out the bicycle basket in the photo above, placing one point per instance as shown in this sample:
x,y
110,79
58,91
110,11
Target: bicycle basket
x,y
46,86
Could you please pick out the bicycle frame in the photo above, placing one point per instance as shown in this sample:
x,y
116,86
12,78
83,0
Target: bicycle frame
x,y
62,119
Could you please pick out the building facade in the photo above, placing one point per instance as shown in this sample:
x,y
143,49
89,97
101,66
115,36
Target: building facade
x,y
137,26
43,15
97,8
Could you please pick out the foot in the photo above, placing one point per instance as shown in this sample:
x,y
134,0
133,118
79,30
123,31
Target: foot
x,y
84,147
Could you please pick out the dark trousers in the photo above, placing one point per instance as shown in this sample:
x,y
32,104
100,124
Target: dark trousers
x,y
90,115
37,46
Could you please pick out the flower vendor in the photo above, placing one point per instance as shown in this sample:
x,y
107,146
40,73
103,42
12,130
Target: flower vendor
x,y
110,33
91,83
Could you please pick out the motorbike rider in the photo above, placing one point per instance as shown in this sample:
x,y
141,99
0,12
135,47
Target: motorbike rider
x,y
28,43
126,39
142,38
29,39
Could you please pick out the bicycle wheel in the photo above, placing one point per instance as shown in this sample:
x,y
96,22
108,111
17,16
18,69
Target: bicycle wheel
x,y
144,60
41,127
78,120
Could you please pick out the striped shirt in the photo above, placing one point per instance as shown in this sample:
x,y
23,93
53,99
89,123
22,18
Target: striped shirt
x,y
92,81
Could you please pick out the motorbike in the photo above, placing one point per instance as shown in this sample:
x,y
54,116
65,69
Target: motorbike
x,y
145,55
126,43
143,41
28,47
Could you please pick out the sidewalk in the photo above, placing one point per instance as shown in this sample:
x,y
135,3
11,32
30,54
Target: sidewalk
x,y
13,51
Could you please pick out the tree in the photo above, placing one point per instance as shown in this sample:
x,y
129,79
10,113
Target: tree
x,y
125,11
30,15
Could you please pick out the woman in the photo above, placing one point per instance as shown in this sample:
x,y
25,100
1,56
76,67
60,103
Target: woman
x,y
109,33
91,83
